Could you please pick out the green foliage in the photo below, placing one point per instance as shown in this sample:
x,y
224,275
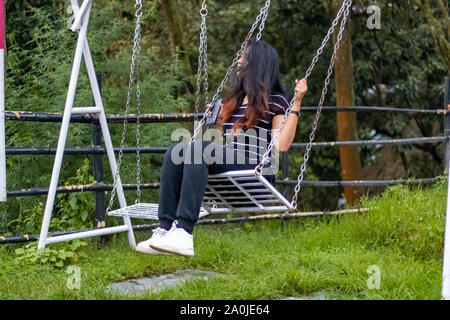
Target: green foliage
x,y
28,220
56,258
417,226
75,209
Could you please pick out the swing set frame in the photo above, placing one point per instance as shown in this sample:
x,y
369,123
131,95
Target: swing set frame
x,y
80,25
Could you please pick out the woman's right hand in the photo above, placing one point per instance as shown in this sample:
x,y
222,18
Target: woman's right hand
x,y
301,87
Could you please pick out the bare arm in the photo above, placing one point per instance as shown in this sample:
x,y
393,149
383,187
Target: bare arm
x,y
287,133
218,124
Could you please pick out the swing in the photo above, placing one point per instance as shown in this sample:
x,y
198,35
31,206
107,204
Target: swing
x,y
242,191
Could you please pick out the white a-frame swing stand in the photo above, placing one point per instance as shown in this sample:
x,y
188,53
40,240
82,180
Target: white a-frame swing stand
x,y
80,25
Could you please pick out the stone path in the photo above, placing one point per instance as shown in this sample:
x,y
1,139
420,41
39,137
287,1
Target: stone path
x,y
155,284
158,283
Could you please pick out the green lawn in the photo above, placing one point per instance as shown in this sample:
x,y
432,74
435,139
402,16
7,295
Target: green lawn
x,y
401,234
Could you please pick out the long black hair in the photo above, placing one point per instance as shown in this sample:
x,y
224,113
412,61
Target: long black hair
x,y
256,78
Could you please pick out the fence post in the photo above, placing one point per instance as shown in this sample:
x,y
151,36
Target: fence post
x,y
447,123
100,221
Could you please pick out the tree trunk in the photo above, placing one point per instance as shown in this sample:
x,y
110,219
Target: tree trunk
x,y
172,18
173,22
440,30
170,13
351,168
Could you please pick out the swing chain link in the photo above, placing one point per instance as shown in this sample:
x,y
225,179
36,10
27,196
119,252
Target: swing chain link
x,y
202,59
346,6
138,117
327,37
135,61
205,58
265,13
259,21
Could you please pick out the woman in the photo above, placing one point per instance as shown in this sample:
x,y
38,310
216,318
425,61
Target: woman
x,y
255,104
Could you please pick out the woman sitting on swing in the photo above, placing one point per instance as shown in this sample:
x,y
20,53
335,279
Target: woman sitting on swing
x,y
254,106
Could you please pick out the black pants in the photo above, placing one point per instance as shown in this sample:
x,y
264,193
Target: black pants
x,y
184,178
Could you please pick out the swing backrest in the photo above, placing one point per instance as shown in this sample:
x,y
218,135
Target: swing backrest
x,y
242,191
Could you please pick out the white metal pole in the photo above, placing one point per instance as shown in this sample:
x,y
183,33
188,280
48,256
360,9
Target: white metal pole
x,y
2,103
63,133
79,13
446,264
87,234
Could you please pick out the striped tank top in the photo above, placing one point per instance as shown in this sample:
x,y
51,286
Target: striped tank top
x,y
254,142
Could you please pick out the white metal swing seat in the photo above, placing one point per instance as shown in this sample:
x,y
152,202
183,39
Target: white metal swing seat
x,y
143,210
229,192
242,191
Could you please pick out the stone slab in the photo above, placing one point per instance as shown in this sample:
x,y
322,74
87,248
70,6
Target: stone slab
x,y
158,283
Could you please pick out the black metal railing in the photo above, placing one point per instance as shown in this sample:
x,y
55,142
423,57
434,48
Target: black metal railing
x,y
97,151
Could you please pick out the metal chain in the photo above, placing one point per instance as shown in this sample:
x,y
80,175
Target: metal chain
x,y
347,5
265,159
202,59
263,20
138,117
260,18
205,63
134,59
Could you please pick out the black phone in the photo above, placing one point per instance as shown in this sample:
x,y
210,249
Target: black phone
x,y
215,109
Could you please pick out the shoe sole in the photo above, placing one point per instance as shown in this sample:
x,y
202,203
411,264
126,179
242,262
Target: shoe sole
x,y
187,255
152,253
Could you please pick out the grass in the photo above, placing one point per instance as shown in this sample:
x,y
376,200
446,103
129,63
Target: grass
x,y
402,235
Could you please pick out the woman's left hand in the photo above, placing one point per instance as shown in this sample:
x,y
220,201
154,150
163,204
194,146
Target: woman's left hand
x,y
301,87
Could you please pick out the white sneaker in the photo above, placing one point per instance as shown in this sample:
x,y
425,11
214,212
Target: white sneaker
x,y
144,246
177,241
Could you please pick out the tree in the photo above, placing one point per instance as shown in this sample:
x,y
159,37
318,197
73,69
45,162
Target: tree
x,y
440,31
346,121
172,19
